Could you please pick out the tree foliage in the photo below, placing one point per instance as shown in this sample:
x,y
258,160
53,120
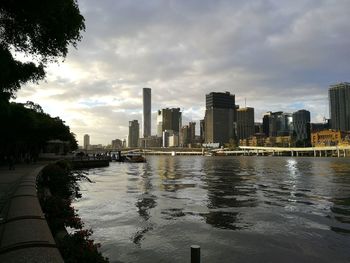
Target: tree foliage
x,y
27,129
15,73
74,246
39,28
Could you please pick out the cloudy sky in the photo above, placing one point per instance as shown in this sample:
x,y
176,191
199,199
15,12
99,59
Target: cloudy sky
x,y
278,55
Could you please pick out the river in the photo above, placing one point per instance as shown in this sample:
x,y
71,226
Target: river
x,y
238,209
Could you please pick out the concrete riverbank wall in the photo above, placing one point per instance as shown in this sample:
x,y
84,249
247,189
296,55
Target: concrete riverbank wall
x,y
24,233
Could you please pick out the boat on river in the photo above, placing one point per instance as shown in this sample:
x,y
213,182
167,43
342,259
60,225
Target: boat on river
x,y
134,158
129,157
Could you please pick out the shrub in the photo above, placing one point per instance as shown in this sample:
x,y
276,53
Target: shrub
x,y
59,213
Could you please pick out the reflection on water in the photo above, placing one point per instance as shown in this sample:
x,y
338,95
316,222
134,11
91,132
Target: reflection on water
x,y
239,209
227,191
145,201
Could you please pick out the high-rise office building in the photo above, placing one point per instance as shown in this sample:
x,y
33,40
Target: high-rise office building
x,y
258,127
245,123
266,123
184,136
279,124
134,130
188,134
146,114
86,141
286,125
219,117
301,126
201,130
192,132
339,106
275,123
169,119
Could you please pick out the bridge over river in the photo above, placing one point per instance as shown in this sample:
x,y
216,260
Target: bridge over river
x,y
325,151
338,151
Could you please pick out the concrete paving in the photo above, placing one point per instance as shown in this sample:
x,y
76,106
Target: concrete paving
x,y
24,233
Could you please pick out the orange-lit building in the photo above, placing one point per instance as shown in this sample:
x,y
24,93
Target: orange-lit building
x,y
262,140
329,138
257,140
284,141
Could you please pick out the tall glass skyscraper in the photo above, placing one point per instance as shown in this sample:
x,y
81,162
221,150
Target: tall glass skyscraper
x,y
277,123
339,106
146,114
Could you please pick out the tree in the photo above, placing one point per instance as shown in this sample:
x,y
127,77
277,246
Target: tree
x,y
28,129
40,29
33,106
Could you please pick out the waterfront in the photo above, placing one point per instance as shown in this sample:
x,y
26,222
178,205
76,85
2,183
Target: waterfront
x,y
238,209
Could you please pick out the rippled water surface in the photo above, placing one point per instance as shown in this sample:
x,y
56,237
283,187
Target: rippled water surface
x,y
238,209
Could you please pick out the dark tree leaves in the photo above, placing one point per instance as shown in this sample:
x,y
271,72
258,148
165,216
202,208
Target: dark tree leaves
x,y
27,129
40,28
15,73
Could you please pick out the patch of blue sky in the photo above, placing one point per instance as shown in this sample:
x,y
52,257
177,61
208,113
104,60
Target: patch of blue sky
x,y
297,106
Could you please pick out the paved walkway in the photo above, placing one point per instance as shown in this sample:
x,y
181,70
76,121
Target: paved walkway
x,y
24,233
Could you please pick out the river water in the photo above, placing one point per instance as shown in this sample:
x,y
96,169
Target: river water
x,y
238,209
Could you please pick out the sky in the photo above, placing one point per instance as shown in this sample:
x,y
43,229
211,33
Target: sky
x,y
274,55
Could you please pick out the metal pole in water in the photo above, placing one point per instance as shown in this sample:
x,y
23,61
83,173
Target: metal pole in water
x,y
195,254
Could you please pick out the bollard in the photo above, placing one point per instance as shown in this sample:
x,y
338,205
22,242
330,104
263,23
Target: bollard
x,y
195,254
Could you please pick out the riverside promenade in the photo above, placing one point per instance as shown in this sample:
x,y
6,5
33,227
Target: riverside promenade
x,y
24,233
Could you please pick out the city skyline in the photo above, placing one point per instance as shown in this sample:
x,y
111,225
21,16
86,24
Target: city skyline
x,y
170,119
276,55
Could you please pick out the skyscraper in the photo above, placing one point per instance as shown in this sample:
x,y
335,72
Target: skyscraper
x,y
188,134
301,126
339,106
286,125
219,117
266,123
275,123
192,131
146,114
245,123
169,119
133,138
86,141
184,136
201,130
279,124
